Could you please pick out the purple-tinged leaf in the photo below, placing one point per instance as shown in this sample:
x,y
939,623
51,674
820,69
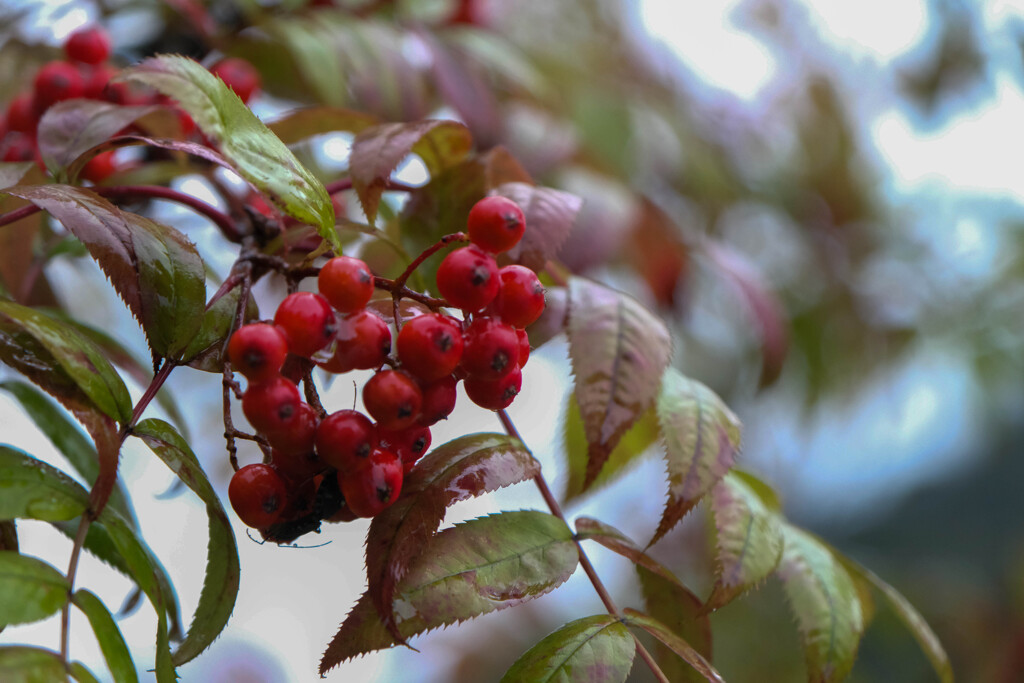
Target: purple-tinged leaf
x,y
675,607
476,567
552,321
18,244
30,589
377,151
702,439
154,268
108,635
619,351
25,664
184,146
463,87
748,538
825,602
550,215
597,649
11,173
307,122
616,541
673,642
72,127
458,470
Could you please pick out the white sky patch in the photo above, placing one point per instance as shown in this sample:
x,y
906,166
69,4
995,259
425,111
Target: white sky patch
x,y
881,28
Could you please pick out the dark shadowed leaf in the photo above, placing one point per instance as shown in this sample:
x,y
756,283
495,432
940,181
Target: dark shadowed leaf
x,y
552,321
302,124
550,215
748,538
30,589
825,602
11,173
616,541
675,607
673,642
204,351
8,535
597,649
115,651
619,351
702,439
24,664
18,242
483,565
657,251
464,468
463,87
69,128
220,587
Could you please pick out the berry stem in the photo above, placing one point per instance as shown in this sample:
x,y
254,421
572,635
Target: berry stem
x,y
427,253
343,184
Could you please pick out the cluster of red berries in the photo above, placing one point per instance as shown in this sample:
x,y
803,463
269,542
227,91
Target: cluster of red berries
x,y
408,392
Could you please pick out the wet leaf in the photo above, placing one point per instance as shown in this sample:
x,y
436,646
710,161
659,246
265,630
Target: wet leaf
x,y
702,439
616,541
24,664
108,635
30,589
597,649
550,215
676,607
72,127
305,123
204,351
679,646
619,351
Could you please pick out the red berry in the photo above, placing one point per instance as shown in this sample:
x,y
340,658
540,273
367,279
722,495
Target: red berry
x,y
307,321
468,278
363,341
438,400
346,282
239,75
90,45
257,351
520,299
393,399
345,439
297,468
258,495
20,116
524,347
408,444
374,486
17,146
495,394
299,436
271,406
496,224
100,167
430,346
492,349
55,82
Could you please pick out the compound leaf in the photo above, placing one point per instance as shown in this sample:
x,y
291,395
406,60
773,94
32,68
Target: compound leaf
x,y
597,649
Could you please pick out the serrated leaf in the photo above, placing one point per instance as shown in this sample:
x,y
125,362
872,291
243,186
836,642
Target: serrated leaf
x,y
619,351
748,538
25,664
550,215
72,127
220,586
154,268
633,618
825,602
108,635
30,589
616,541
702,439
305,123
458,470
204,351
377,151
476,567
597,649
255,152
676,607
11,173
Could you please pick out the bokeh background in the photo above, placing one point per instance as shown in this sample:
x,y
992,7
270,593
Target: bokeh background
x,y
823,199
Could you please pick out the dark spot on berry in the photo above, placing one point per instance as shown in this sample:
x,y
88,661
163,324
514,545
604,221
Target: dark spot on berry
x,y
405,410
511,220
510,393
481,276
384,493
255,359
500,361
444,342
286,411
330,328
418,445
363,451
271,504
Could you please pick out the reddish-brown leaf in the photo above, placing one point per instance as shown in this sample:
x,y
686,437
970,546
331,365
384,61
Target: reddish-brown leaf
x,y
616,541
679,610
550,215
464,89
69,128
659,254
675,643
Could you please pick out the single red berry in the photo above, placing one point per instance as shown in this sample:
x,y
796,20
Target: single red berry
x,y
307,321
496,224
17,146
439,399
257,350
345,439
374,486
468,278
520,299
492,349
362,342
90,45
408,444
56,82
344,514
258,495
97,82
297,468
100,167
272,405
346,282
495,394
20,115
299,436
524,347
239,75
393,399
430,346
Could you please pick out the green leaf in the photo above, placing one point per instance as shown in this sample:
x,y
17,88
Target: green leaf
x,y
702,439
255,152
311,46
550,215
675,607
588,529
673,642
748,538
108,635
204,351
476,567
154,268
30,589
464,468
597,649
825,602
619,351
220,587
305,123
24,664
31,489
81,673
68,129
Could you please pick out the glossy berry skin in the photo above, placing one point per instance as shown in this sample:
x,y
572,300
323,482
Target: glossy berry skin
x,y
307,321
524,347
345,439
258,494
393,399
520,299
98,85
492,349
20,116
374,486
297,468
468,279
257,351
90,45
299,436
271,406
363,341
495,394
408,444
430,346
100,167
239,75
496,224
56,82
17,146
439,399
346,282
